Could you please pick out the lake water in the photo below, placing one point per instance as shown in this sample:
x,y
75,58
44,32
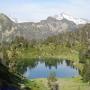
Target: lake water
x,y
41,69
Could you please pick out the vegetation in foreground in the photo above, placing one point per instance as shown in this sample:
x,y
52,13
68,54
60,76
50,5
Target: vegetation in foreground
x,y
64,84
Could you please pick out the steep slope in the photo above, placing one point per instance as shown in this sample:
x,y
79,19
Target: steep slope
x,y
46,28
7,28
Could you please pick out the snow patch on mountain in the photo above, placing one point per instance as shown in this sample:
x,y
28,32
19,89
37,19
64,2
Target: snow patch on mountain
x,y
71,18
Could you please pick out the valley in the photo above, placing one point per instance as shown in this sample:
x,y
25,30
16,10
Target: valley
x,y
49,46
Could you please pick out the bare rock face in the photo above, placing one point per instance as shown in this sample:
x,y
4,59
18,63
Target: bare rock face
x,y
7,28
45,28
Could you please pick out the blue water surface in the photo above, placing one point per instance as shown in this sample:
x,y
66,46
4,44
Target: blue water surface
x,y
42,71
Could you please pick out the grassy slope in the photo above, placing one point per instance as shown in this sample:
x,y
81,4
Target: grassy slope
x,y
51,51
73,84
64,84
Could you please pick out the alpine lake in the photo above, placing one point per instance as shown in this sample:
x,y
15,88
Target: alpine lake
x,y
40,68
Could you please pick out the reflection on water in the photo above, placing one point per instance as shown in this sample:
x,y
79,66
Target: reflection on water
x,y
40,68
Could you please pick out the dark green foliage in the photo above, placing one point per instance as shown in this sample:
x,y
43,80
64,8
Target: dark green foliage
x,y
8,78
86,73
82,56
85,59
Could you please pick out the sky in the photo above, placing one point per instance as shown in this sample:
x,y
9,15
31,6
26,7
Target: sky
x,y
36,10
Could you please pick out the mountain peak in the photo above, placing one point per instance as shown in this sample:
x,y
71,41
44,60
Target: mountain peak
x,y
4,18
70,18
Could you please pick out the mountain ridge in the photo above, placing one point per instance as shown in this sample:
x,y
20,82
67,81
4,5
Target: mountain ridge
x,y
35,31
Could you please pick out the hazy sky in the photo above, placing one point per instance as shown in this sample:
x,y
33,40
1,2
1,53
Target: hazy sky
x,y
35,10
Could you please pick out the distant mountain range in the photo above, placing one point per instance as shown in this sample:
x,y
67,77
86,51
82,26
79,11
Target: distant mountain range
x,y
41,30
